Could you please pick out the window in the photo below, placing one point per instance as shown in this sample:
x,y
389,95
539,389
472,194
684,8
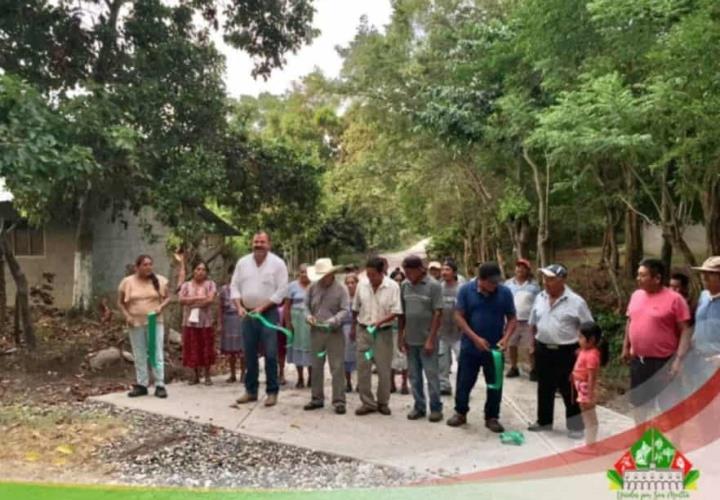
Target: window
x,y
28,241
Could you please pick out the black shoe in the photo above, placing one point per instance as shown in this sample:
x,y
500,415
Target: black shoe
x,y
384,410
536,427
138,390
340,409
446,392
348,388
160,392
494,425
415,414
533,375
513,372
457,420
313,405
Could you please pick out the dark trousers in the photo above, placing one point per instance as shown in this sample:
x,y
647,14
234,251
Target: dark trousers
x,y
469,363
554,364
254,333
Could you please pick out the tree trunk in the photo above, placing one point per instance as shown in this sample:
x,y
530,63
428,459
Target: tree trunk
x,y
711,212
520,235
3,288
666,251
542,190
633,231
22,301
82,273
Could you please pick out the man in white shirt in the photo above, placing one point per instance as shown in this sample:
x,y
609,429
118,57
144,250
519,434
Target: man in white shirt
x,y
376,304
556,317
524,289
258,285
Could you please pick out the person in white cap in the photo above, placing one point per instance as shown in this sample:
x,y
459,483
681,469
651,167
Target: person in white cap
x,y
556,317
327,303
435,270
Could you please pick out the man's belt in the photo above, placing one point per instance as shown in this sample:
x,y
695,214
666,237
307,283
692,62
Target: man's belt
x,y
385,327
555,347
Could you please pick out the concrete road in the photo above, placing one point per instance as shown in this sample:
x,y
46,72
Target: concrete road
x,y
421,446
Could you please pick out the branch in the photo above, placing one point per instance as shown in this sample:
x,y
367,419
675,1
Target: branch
x,y
638,212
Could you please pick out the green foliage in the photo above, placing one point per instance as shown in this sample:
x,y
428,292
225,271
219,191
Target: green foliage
x,y
38,159
130,101
514,204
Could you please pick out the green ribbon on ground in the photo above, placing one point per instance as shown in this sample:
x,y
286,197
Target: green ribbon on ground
x,y
499,364
370,353
152,340
512,437
268,324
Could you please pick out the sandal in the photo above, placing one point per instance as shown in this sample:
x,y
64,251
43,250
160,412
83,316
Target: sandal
x,y
232,379
194,381
300,385
208,381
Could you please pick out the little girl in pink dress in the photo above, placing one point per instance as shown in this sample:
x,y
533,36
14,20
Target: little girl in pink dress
x,y
592,355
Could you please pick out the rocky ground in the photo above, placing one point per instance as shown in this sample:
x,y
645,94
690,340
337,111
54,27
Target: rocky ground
x,y
98,443
173,452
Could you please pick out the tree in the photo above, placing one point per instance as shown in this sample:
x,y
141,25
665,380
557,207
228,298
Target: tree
x,y
148,99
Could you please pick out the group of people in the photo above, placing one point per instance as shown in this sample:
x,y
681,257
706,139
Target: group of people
x,y
413,323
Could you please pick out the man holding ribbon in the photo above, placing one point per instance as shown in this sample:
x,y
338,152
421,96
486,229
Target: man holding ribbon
x,y
258,286
485,312
375,307
326,302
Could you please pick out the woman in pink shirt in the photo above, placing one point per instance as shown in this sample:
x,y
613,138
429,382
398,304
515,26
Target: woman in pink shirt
x,y
197,297
593,353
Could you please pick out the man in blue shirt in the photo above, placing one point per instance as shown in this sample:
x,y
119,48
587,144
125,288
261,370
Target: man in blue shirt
x,y
706,338
485,312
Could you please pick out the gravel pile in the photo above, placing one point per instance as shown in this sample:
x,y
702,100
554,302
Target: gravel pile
x,y
164,451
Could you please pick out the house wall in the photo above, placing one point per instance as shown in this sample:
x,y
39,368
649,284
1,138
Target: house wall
x,y
58,259
694,236
116,245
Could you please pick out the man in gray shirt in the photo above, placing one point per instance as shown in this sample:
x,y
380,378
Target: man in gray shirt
x,y
421,298
327,302
450,334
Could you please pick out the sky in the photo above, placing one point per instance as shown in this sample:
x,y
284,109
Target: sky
x,y
337,21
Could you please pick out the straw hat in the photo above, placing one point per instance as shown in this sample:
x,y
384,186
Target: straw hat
x,y
322,268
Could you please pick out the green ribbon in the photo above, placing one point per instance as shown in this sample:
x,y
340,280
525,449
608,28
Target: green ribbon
x,y
512,437
499,366
370,353
268,324
152,340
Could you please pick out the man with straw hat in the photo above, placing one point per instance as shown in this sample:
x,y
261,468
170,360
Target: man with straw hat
x,y
327,302
706,338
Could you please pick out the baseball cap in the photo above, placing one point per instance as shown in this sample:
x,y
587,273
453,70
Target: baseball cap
x,y
711,265
490,271
554,271
523,262
434,265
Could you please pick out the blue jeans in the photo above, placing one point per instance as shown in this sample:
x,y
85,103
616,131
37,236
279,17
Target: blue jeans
x,y
419,362
469,364
253,334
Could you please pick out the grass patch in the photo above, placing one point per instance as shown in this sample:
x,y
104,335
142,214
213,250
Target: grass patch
x,y
55,436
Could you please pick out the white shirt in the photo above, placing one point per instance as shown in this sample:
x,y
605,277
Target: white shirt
x,y
559,324
524,296
255,284
372,306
